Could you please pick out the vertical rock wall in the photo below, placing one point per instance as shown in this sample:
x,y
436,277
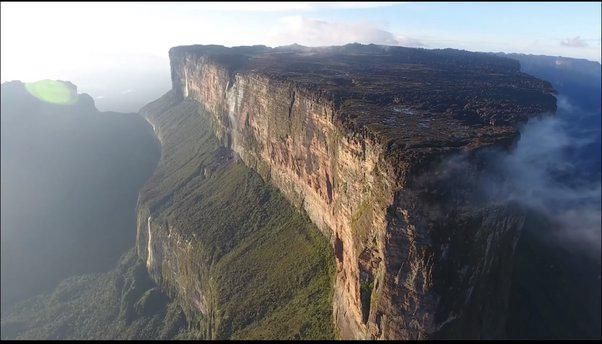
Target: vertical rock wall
x,y
408,265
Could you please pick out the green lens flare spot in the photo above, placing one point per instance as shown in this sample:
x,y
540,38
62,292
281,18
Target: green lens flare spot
x,y
52,91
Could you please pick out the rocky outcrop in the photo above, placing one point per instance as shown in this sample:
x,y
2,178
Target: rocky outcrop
x,y
360,138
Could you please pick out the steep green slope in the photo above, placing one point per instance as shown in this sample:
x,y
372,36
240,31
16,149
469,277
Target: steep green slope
x,y
268,268
264,267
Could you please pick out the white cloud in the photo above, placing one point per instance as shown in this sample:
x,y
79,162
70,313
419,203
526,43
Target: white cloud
x,y
312,32
575,42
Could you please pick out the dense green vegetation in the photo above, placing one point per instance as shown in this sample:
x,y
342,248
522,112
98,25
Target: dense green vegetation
x,y
271,268
121,304
365,294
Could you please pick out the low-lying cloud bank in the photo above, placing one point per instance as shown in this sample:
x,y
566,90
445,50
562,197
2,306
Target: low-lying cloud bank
x,y
545,174
552,171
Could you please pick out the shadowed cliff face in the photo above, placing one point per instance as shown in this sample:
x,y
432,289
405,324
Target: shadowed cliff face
x,y
552,178
555,173
356,136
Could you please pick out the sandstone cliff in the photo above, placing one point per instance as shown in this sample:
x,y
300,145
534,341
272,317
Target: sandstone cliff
x,y
240,261
360,138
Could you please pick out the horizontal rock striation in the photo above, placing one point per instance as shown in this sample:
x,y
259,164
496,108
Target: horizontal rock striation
x,y
360,138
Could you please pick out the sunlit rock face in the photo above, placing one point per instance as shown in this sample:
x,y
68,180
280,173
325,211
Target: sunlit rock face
x,y
357,137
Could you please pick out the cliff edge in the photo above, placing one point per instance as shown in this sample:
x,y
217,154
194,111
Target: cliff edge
x,y
365,140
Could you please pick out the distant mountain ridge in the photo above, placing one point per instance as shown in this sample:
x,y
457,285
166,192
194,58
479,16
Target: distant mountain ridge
x,y
70,179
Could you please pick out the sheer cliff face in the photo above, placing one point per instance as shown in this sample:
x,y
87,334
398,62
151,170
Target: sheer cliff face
x,y
355,136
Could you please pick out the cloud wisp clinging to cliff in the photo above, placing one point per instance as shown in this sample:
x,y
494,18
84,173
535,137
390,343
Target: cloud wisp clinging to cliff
x,y
545,174
552,172
542,179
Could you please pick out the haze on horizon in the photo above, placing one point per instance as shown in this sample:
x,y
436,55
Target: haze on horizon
x,y
119,50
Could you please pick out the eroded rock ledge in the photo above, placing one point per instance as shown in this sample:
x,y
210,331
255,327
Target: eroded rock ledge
x,y
356,136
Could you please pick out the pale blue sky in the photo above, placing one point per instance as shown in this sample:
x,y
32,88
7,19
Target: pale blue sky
x,y
88,36
508,24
